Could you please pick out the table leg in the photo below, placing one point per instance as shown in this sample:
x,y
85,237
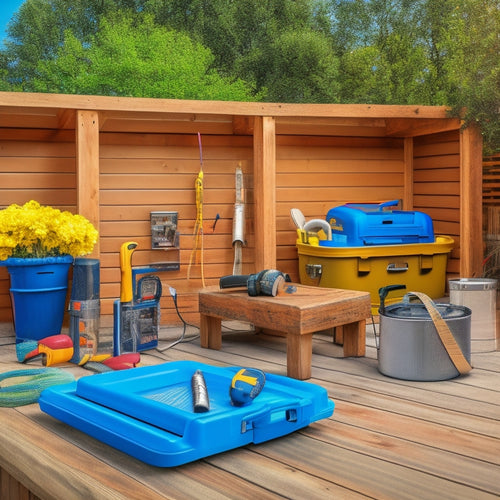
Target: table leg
x,y
299,356
210,332
354,338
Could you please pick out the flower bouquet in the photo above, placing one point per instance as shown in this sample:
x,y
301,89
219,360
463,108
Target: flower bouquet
x,y
34,231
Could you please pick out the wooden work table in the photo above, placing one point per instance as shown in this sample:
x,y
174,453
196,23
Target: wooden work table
x,y
296,312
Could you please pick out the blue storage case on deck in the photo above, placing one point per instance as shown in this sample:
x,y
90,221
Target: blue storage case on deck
x,y
148,412
367,224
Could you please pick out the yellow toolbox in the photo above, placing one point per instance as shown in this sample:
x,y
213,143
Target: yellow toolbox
x,y
419,266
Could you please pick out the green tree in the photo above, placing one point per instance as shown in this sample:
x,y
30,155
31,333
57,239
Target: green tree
x,y
119,61
472,66
299,66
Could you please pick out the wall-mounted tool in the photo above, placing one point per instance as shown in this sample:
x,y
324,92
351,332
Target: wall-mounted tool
x,y
137,312
165,236
198,226
238,222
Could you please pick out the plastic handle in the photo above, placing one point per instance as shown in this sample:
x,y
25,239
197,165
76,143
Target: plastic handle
x,y
397,268
234,281
126,289
391,203
384,291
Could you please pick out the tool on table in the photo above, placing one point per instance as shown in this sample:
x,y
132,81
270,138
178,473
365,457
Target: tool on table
x,y
238,222
198,226
35,381
266,282
53,350
137,312
201,402
246,385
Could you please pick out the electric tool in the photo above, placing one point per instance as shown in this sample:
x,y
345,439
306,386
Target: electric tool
x,y
137,312
53,350
267,282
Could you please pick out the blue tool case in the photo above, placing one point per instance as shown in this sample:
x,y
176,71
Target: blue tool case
x,y
147,412
365,224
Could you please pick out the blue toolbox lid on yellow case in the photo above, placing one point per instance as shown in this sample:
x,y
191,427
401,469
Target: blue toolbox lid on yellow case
x,y
365,224
147,412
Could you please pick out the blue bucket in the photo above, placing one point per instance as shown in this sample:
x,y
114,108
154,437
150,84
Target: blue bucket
x,y
38,293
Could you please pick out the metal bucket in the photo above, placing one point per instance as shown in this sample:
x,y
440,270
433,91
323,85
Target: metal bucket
x,y
480,296
410,347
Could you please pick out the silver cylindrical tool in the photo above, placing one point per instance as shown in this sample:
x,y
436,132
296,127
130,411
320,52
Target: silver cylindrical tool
x,y
201,403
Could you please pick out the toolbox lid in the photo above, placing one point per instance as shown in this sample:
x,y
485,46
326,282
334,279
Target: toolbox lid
x,y
366,224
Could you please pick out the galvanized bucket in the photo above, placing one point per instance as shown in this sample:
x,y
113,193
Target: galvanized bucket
x,y
410,347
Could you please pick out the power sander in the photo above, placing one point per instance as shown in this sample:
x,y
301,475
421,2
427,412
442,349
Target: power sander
x,y
266,282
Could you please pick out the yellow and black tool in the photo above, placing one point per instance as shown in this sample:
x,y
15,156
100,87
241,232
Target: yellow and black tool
x,y
137,313
246,385
126,286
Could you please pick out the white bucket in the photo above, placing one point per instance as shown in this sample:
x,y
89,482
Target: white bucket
x,y
480,296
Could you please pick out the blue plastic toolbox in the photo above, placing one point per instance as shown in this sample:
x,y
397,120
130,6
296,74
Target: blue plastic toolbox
x,y
366,224
148,412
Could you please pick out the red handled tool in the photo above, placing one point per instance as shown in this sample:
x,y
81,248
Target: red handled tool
x,y
113,363
53,350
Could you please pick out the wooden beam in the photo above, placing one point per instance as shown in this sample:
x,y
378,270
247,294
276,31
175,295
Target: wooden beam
x,y
87,168
408,174
138,105
402,127
471,233
265,192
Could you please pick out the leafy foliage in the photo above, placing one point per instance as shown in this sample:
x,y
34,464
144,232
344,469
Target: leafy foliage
x,y
366,51
119,61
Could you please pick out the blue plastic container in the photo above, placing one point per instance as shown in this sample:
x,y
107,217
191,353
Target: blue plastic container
x,y
366,224
148,412
38,289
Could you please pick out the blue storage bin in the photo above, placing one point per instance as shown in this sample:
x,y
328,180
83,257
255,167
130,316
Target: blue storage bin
x,y
366,224
38,289
148,412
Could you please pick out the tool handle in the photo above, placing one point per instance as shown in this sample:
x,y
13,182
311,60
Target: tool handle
x,y
126,287
201,403
234,281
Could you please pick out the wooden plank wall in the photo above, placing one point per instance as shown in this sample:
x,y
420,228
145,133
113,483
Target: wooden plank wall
x,y
140,173
437,186
40,166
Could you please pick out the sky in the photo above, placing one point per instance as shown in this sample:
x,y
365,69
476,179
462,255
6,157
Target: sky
x,y
7,9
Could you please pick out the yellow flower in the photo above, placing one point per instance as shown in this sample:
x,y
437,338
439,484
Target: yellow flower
x,y
33,230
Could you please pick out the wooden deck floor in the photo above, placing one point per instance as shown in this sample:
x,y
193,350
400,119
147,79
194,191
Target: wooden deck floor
x,y
387,438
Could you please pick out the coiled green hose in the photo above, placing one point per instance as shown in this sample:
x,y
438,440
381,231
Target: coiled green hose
x,y
28,391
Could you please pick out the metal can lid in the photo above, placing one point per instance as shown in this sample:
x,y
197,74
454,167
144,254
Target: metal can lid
x,y
473,284
418,311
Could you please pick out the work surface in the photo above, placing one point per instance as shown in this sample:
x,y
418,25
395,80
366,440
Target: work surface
x,y
386,439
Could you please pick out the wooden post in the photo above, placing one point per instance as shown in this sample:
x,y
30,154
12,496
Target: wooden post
x,y
471,225
408,174
264,150
87,168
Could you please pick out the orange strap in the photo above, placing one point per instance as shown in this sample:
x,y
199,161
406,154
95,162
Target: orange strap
x,y
452,348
